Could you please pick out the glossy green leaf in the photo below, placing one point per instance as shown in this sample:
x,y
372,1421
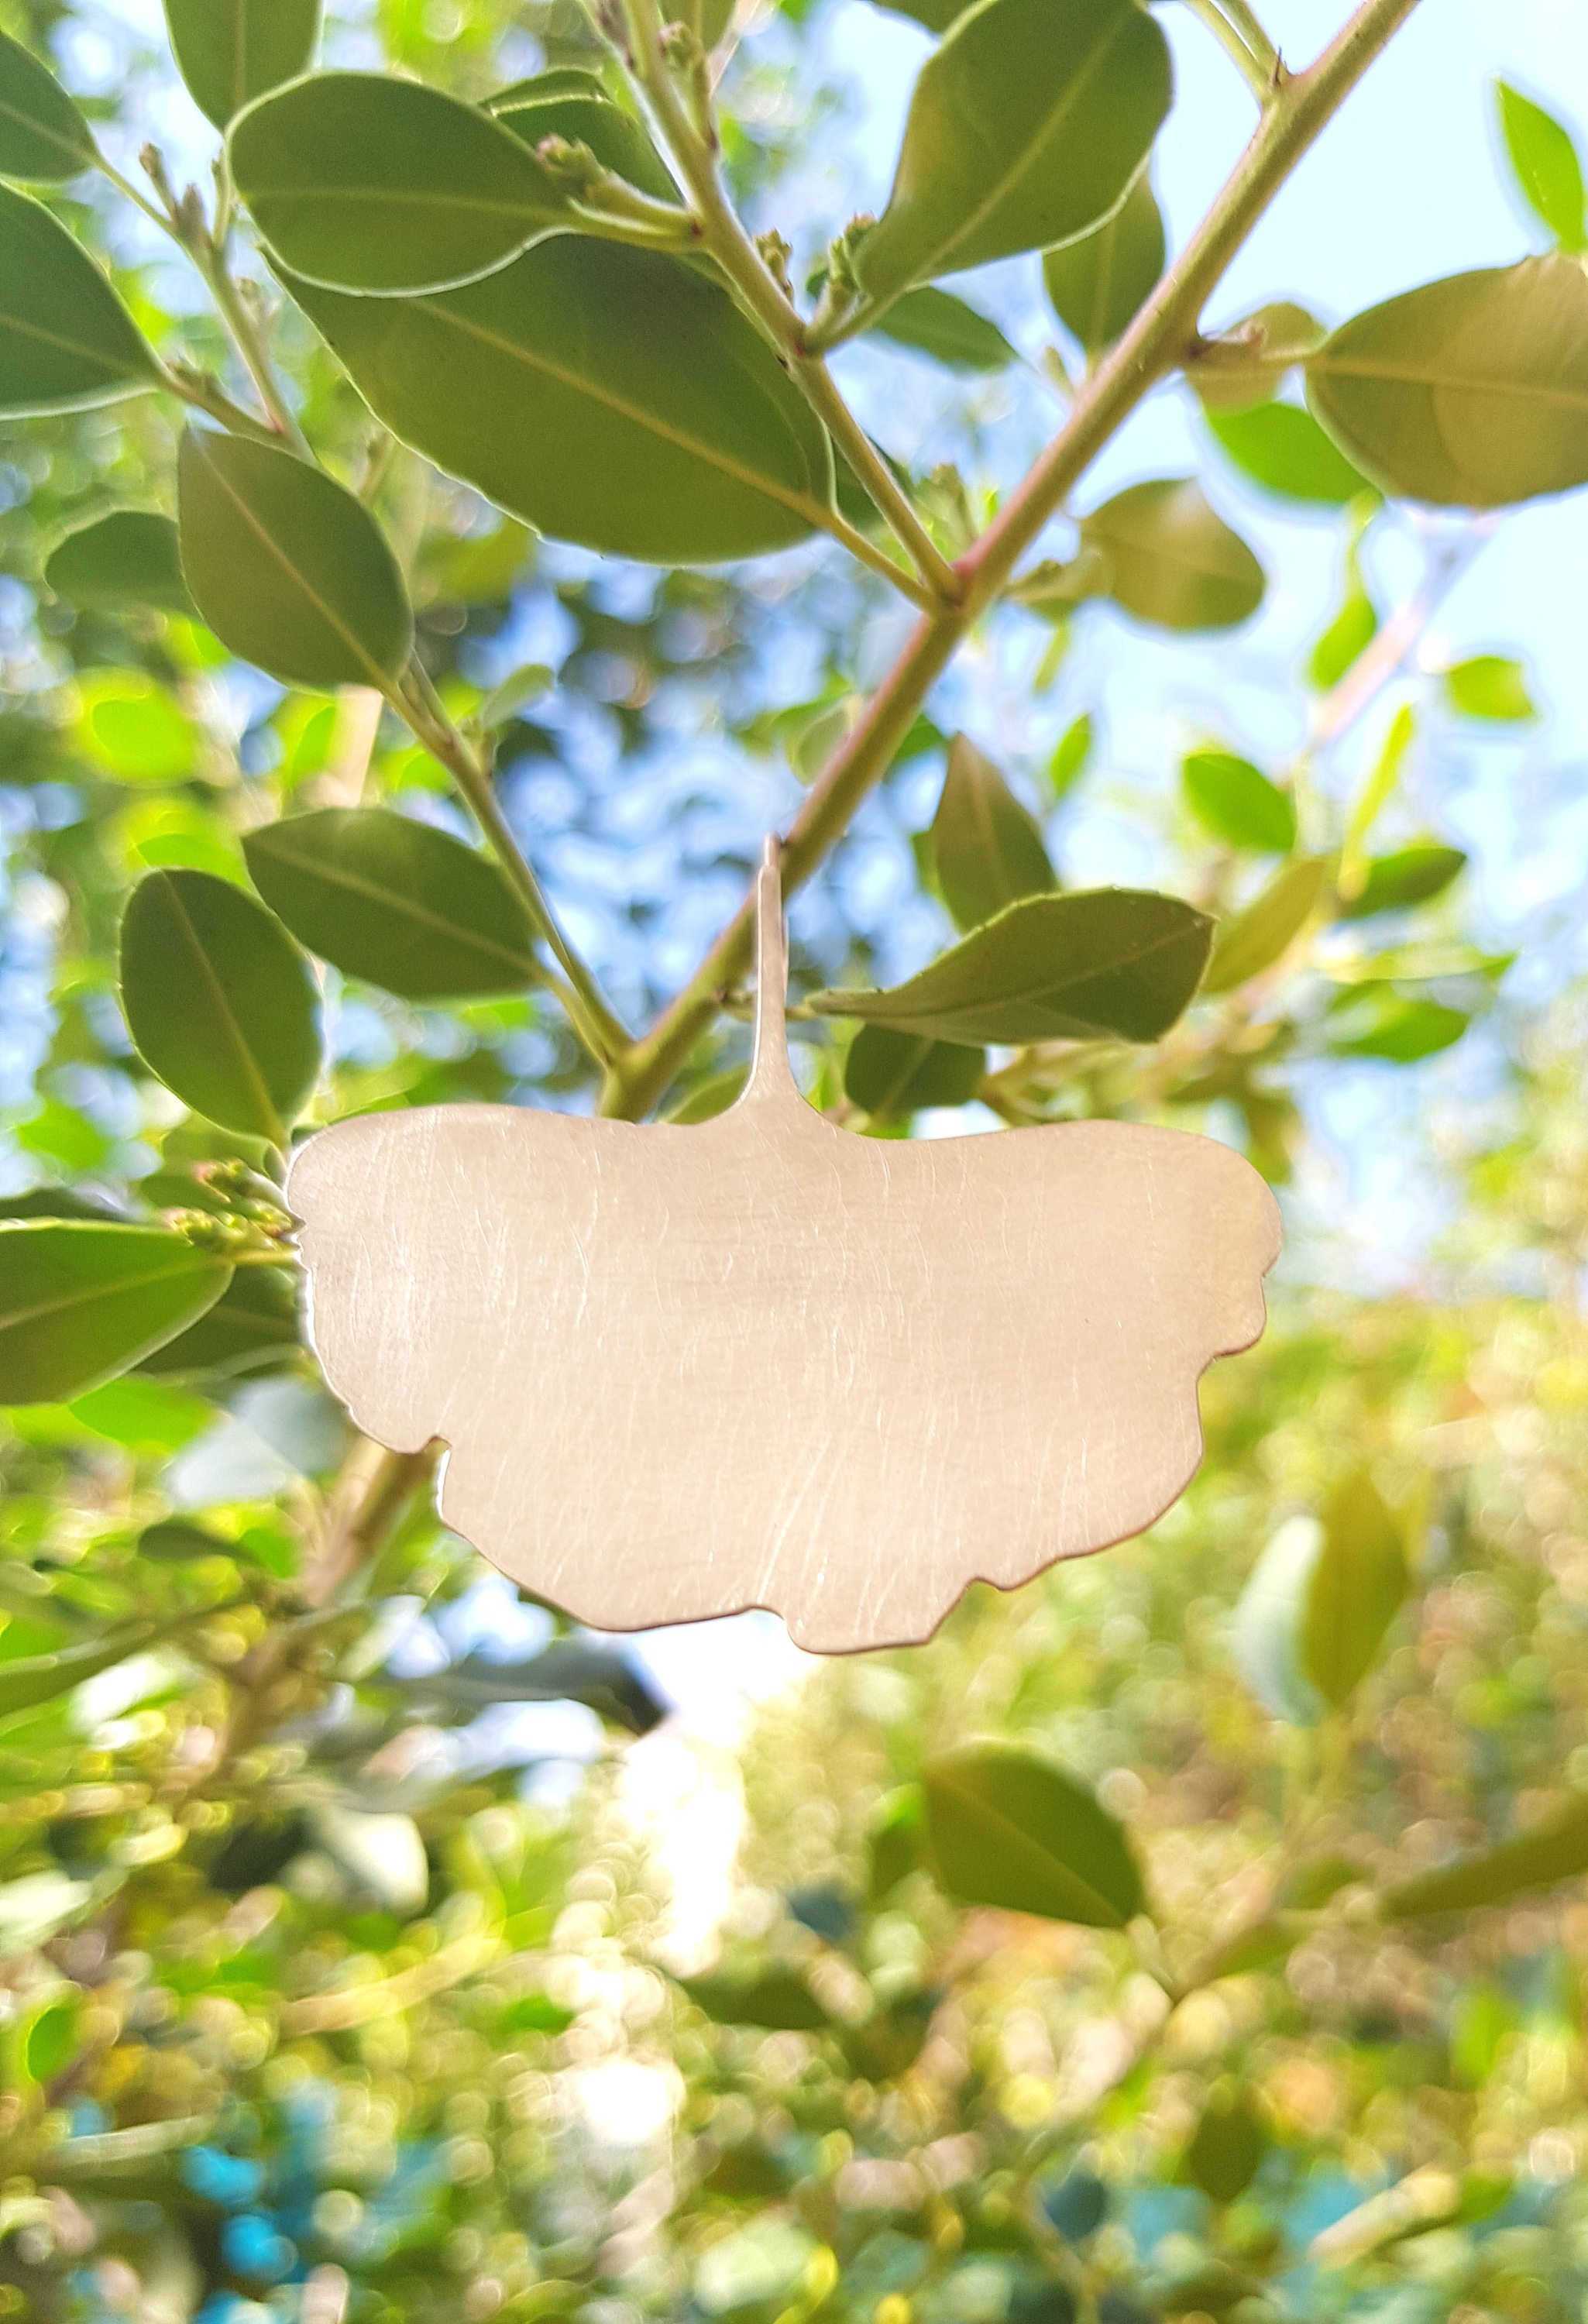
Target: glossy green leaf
x,y
1411,875
1357,1585
1491,686
780,2001
395,902
1008,1829
230,50
1257,937
1097,283
1546,166
1555,1848
1072,755
1107,963
1472,392
1237,803
33,1679
132,557
608,396
221,1004
1281,447
937,324
253,1327
890,1075
372,183
987,849
1027,126
574,105
1226,2147
1399,1029
42,134
80,1302
1168,558
289,569
67,343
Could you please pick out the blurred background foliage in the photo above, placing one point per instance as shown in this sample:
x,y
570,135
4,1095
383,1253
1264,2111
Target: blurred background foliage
x,y
334,1983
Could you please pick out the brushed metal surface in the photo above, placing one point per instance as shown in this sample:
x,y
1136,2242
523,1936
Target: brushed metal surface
x,y
765,1361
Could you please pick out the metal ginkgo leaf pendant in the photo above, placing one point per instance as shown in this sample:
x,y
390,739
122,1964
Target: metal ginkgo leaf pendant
x,y
763,1361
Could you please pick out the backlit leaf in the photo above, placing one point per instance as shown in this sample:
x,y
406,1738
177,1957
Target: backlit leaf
x,y
1226,2146
1166,557
1072,754
1357,1587
230,50
132,557
80,1302
289,569
1120,962
937,324
573,105
1026,127
43,135
1098,282
780,2001
890,1075
1281,447
1259,936
1237,803
372,183
608,396
220,1002
395,902
1401,1029
1412,875
1489,686
1555,1848
1545,163
1006,1828
1472,392
66,341
987,848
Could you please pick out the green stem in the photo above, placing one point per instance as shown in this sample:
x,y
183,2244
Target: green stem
x,y
1156,340
246,338
598,1027
768,305
1258,75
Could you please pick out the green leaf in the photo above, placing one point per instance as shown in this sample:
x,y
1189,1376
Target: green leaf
x,y
43,135
890,1075
574,105
1556,1849
289,569
937,15
1254,939
35,1679
395,902
1349,636
220,1002
230,50
780,2000
1072,755
1026,127
1008,1829
50,2041
67,343
80,1302
1412,875
894,1841
1281,447
1226,2147
1271,1615
570,1670
1545,163
1489,686
371,183
708,1099
130,558
937,324
1104,964
1250,360
987,849
1472,392
1097,283
253,1327
1237,803
1164,555
1357,1585
1400,1028
608,396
